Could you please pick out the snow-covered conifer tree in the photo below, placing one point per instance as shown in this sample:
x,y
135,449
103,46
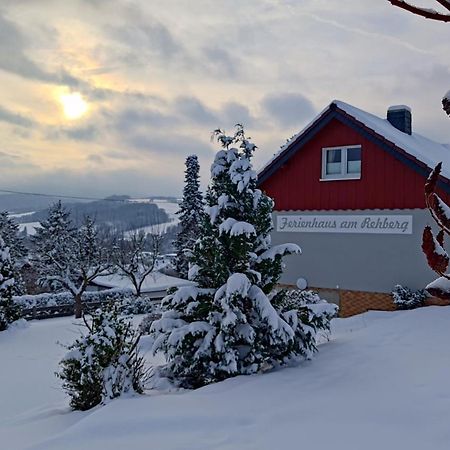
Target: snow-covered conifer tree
x,y
9,311
227,325
190,214
70,258
9,230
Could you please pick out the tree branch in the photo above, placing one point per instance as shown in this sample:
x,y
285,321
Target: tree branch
x,y
444,3
424,12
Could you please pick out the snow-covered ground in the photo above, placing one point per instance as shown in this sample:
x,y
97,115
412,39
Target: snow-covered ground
x,y
381,383
171,209
156,282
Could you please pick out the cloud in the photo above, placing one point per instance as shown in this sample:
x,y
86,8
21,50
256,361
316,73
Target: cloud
x,y
194,110
167,146
11,161
135,117
234,112
221,62
15,119
288,108
82,133
13,58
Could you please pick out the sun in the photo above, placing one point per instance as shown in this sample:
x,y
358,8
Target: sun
x,y
74,105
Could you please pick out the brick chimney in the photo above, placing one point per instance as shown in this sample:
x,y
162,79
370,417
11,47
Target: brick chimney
x,y
400,117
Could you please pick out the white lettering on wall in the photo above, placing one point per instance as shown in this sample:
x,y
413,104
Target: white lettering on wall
x,y
399,224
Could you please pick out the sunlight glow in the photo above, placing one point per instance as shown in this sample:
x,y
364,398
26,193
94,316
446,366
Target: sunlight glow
x,y
74,105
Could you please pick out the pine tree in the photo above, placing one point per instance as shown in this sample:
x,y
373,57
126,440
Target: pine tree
x,y
190,214
9,230
9,311
70,258
227,325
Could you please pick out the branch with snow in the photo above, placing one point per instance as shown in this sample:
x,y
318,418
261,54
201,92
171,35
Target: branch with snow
x,y
428,13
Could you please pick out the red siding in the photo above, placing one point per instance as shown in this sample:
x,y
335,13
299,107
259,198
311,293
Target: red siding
x,y
385,183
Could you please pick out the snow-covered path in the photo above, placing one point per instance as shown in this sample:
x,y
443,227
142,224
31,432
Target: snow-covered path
x,y
381,383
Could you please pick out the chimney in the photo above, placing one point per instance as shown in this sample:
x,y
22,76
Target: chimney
x,y
400,117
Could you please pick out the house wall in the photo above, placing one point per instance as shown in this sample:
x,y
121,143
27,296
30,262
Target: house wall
x,y
358,262
386,182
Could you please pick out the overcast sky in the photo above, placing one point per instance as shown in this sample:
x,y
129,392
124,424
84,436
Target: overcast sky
x,y
159,76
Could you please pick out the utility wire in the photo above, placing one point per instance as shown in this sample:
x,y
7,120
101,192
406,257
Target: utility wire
x,y
73,197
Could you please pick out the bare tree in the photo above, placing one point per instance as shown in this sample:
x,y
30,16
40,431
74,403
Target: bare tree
x,y
71,258
136,256
424,12
433,15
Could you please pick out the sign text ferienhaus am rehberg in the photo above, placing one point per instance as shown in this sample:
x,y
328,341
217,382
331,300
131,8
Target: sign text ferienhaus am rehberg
x,y
371,224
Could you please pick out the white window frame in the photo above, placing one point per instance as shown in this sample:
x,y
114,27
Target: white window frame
x,y
344,175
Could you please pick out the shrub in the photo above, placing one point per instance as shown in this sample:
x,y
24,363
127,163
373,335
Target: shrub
x,y
66,298
138,305
405,298
103,364
308,315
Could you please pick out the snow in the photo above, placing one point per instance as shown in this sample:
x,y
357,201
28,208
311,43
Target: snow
x,y
441,283
380,383
21,214
236,228
422,148
399,108
155,282
171,208
30,227
281,249
425,150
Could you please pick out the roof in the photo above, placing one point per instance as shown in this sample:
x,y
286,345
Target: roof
x,y
420,152
155,282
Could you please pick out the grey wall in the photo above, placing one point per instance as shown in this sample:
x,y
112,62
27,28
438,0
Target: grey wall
x,y
365,262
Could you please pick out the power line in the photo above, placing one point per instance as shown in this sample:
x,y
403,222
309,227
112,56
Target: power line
x,y
72,197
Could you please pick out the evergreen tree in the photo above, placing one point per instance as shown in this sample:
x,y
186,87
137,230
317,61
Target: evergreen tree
x,y
9,311
227,325
9,230
190,213
70,258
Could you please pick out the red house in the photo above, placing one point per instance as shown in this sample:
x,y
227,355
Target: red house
x,y
349,190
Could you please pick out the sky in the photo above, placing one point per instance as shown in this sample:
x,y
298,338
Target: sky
x,y
101,97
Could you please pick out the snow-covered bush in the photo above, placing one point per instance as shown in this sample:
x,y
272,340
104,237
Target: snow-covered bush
x,y
132,305
226,325
104,363
9,311
146,323
309,316
405,298
66,298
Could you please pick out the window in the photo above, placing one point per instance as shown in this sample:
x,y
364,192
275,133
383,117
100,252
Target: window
x,y
341,163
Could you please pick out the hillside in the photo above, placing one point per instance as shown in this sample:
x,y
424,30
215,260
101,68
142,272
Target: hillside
x,y
117,211
22,203
379,383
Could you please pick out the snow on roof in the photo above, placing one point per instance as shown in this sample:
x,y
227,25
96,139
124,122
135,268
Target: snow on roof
x,y
423,149
399,108
155,282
